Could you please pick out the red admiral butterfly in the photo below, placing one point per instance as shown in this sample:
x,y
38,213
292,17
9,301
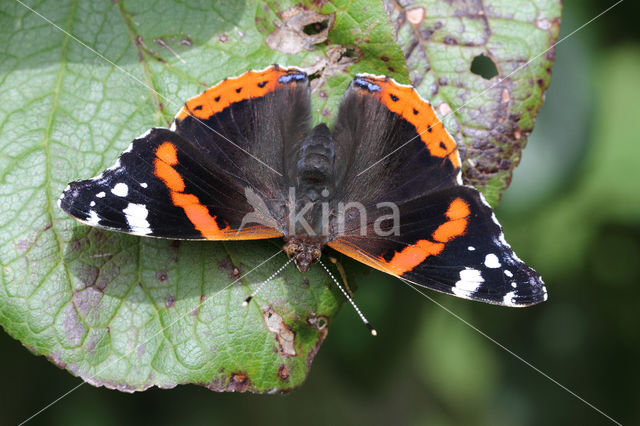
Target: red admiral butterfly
x,y
241,161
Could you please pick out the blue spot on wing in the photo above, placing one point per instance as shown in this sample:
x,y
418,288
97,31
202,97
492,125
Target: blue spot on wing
x,y
288,78
366,84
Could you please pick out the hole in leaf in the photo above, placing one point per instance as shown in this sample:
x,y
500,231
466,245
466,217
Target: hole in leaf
x,y
316,27
484,66
350,52
321,322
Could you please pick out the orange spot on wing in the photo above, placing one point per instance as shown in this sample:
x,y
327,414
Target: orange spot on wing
x,y
458,209
167,152
450,230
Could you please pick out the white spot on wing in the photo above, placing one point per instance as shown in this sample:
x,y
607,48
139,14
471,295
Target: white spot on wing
x,y
120,189
100,194
173,126
470,281
508,299
92,204
491,261
93,219
514,285
508,273
144,184
136,215
471,248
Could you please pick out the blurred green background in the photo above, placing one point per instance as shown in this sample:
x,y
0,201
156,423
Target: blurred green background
x,y
572,212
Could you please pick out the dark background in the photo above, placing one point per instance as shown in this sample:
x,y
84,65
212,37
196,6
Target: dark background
x,y
572,212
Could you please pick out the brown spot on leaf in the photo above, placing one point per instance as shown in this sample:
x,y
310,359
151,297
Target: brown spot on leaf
x,y
516,134
505,96
170,301
140,351
186,41
291,37
223,38
237,382
161,276
227,265
283,372
88,274
74,330
285,336
444,109
415,15
87,300
450,40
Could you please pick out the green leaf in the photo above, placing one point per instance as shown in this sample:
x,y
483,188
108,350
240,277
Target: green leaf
x,y
127,312
489,118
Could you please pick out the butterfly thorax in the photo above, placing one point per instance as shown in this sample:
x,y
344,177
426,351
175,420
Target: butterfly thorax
x,y
309,197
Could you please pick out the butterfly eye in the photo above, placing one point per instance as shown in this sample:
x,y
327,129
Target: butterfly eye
x,y
316,254
292,249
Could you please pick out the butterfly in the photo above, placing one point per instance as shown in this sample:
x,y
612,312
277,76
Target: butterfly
x,y
242,161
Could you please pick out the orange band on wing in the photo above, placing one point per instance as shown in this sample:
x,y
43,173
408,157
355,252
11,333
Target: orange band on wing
x,y
252,84
198,214
413,255
405,101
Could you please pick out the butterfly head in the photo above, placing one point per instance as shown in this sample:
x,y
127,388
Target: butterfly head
x,y
304,253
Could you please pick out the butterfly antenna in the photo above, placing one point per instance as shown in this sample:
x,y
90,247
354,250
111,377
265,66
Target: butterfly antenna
x,y
265,282
362,317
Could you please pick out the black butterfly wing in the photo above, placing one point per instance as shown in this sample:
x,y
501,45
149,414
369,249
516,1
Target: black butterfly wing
x,y
446,237
162,187
219,174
